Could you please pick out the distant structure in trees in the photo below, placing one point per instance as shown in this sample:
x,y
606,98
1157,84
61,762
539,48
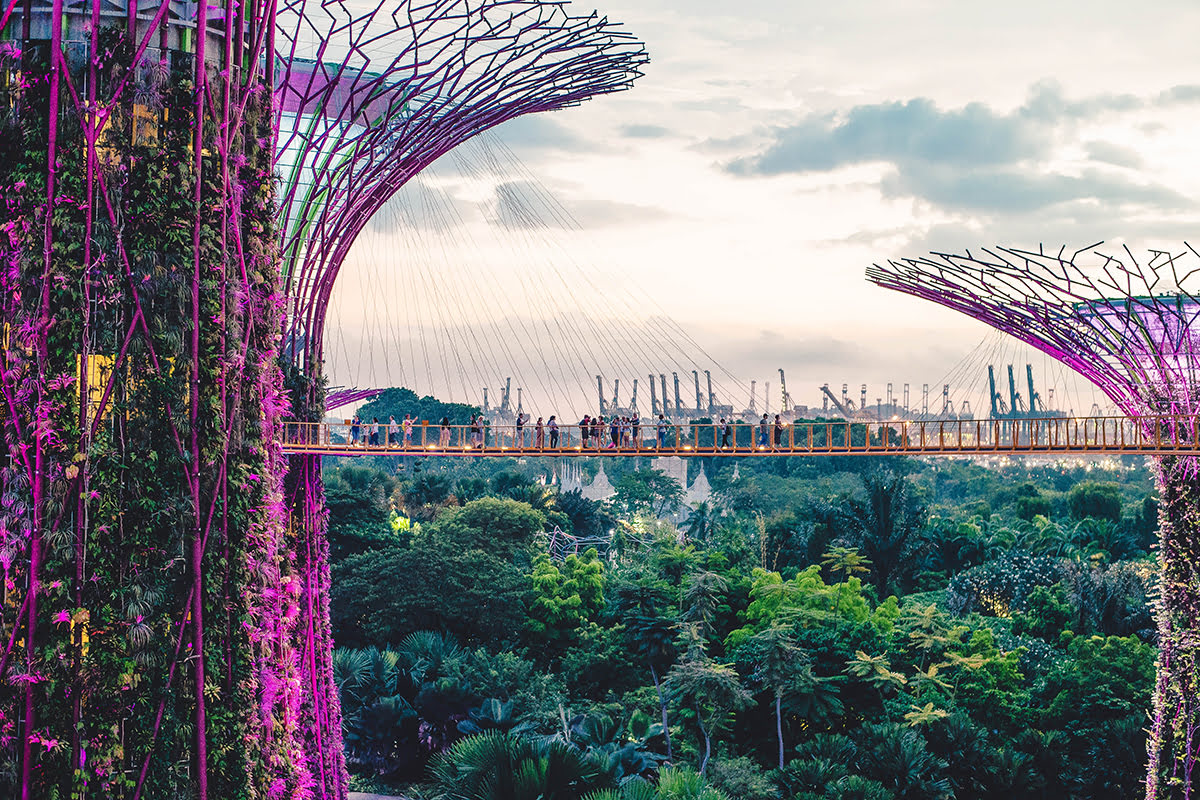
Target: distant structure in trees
x,y
1131,329
164,629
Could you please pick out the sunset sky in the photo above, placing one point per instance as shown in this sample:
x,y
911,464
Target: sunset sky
x,y
770,153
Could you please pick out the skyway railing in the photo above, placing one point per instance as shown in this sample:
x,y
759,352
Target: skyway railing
x,y
1052,435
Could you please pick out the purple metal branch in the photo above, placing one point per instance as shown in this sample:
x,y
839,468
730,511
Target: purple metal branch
x,y
366,99
384,95
1126,327
381,97
337,398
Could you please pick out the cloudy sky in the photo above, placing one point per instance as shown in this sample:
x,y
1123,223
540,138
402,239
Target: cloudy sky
x,y
771,152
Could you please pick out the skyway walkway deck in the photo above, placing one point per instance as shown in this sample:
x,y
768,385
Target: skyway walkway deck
x,y
1044,436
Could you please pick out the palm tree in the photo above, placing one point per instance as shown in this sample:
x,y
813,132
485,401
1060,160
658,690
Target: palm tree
x,y
821,702
887,525
499,766
702,599
364,676
649,633
636,789
681,783
899,759
699,523
424,652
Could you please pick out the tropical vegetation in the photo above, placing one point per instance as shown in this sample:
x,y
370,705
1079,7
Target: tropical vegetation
x,y
856,628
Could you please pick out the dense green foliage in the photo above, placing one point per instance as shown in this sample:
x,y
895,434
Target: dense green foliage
x,y
398,402
844,629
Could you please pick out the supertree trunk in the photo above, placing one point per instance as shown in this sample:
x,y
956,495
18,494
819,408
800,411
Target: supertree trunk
x,y
1174,744
150,586
322,716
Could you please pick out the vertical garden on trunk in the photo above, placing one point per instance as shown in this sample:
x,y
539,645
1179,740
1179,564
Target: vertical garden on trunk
x,y
150,589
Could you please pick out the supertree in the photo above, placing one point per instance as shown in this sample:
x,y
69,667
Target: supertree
x,y
1131,329
365,101
162,628
149,594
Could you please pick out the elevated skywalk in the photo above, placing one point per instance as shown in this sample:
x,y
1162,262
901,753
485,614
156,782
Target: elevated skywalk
x,y
1166,435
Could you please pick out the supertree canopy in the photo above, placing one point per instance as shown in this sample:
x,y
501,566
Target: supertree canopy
x,y
1132,329
382,96
162,617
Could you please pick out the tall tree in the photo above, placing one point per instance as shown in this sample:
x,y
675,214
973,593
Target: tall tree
x,y
711,689
643,606
781,666
702,600
886,525
647,491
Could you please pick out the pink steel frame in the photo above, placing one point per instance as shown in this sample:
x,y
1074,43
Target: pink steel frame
x,y
367,116
243,32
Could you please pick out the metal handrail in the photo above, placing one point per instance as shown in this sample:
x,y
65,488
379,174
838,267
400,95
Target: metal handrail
x,y
824,437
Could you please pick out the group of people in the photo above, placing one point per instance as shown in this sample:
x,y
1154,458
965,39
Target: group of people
x,y
399,434
765,430
617,431
621,431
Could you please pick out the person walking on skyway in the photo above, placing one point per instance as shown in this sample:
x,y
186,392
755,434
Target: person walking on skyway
x,y
598,430
778,432
764,435
585,429
553,426
444,437
635,426
408,425
726,432
355,426
539,432
662,431
476,430
521,418
393,431
374,429
615,431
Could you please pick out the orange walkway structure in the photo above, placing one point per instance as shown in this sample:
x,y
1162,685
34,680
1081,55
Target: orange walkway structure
x,y
1048,436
